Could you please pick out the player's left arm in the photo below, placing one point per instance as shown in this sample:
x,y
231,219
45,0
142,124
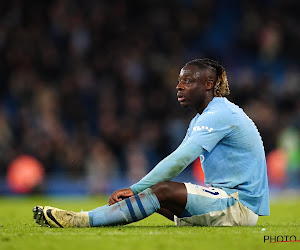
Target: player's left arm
x,y
165,170
119,195
170,167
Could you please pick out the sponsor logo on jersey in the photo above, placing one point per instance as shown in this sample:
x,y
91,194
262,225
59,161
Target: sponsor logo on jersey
x,y
199,128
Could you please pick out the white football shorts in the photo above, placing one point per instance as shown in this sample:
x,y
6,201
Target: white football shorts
x,y
208,206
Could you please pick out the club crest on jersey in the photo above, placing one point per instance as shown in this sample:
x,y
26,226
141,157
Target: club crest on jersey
x,y
199,128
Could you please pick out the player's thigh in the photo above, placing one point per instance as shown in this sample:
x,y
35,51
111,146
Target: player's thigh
x,y
202,200
208,206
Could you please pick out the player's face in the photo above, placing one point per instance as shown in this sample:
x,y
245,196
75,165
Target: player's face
x,y
191,87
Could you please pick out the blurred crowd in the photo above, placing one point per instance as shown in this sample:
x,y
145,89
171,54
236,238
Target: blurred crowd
x,y
88,87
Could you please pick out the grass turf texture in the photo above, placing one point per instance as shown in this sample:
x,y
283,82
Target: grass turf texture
x,y
18,231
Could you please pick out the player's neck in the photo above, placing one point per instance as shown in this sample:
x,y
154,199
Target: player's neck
x,y
207,100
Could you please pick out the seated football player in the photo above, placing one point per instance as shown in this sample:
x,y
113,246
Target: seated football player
x,y
233,161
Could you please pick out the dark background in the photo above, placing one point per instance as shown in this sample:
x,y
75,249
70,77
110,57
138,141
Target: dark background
x,y
88,87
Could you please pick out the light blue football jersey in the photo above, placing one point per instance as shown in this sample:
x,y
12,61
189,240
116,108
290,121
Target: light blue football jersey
x,y
234,157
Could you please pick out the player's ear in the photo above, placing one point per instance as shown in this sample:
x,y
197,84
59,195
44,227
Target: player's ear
x,y
209,84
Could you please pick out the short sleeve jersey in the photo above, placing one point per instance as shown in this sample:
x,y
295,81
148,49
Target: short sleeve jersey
x,y
234,157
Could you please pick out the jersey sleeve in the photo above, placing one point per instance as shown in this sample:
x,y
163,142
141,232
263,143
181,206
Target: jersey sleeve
x,y
169,167
210,128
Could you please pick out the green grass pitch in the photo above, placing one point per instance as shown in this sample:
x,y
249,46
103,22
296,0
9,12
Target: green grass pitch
x,y
18,231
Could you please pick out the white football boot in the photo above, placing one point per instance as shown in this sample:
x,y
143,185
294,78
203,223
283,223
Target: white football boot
x,y
54,217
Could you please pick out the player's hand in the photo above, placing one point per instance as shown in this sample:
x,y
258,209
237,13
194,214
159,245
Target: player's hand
x,y
119,195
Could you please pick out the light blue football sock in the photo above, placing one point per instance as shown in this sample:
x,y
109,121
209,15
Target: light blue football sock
x,y
126,211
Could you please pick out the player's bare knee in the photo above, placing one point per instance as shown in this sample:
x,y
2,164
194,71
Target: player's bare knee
x,y
163,191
